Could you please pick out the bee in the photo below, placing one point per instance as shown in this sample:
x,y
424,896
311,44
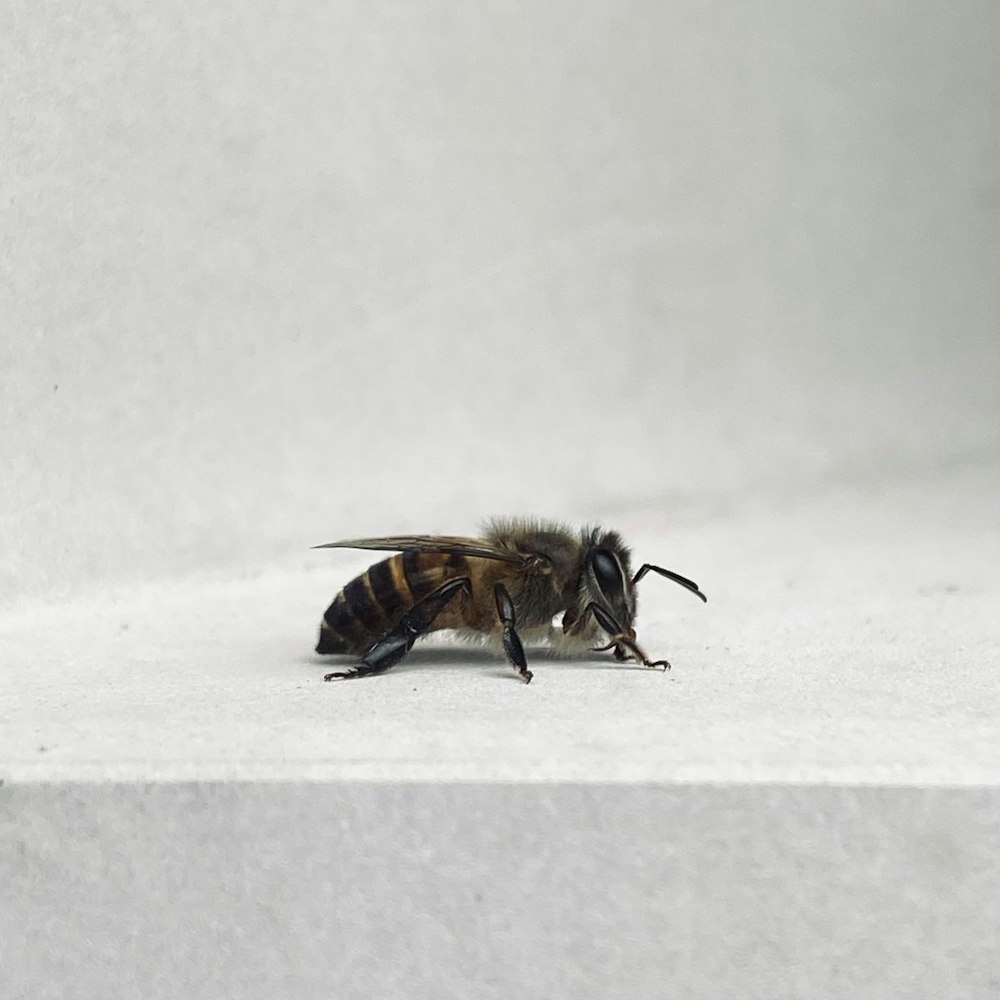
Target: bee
x,y
510,585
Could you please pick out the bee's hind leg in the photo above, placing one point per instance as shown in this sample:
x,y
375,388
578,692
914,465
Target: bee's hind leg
x,y
397,642
511,641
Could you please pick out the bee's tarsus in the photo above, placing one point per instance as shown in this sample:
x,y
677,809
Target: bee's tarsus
x,y
341,675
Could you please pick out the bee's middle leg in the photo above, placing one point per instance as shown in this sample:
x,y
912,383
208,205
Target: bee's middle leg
x,y
397,642
511,640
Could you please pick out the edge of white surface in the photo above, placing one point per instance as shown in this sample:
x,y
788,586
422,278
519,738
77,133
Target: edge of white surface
x,y
310,772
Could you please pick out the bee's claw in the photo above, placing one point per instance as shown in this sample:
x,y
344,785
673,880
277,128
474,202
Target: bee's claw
x,y
626,649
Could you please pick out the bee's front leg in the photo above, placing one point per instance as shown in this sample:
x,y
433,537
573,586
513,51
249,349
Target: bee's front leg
x,y
620,653
620,640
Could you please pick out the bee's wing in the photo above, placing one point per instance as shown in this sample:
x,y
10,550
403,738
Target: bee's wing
x,y
477,547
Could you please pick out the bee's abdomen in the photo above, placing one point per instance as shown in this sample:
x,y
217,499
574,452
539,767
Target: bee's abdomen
x,y
373,603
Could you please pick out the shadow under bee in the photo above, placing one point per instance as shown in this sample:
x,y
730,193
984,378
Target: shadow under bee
x,y
458,657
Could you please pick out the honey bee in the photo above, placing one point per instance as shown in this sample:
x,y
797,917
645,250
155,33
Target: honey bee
x,y
509,585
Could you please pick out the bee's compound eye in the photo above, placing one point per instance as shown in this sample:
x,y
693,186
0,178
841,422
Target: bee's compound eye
x,y
609,576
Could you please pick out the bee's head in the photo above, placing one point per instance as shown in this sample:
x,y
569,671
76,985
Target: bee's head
x,y
607,576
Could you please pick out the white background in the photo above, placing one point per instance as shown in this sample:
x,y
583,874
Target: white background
x,y
273,277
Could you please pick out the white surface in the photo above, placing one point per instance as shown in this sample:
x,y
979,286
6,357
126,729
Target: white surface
x,y
851,636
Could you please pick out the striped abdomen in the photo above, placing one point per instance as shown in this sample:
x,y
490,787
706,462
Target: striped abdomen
x,y
373,603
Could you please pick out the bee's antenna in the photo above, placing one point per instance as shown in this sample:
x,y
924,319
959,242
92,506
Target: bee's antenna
x,y
670,575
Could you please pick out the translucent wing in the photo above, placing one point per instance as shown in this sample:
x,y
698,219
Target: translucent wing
x,y
477,547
